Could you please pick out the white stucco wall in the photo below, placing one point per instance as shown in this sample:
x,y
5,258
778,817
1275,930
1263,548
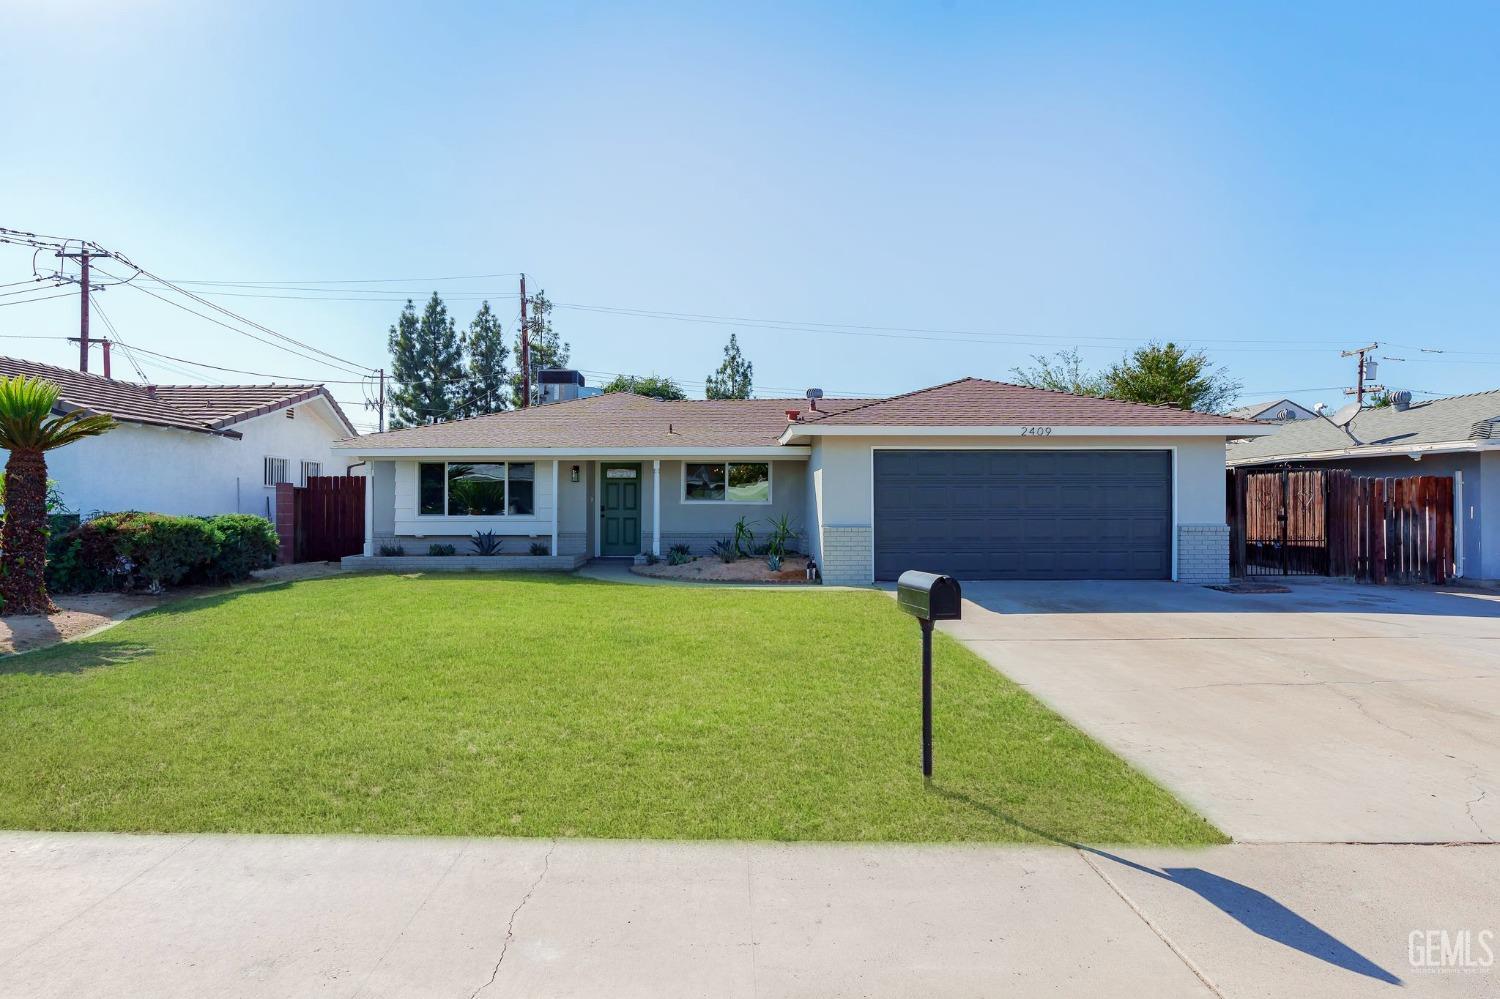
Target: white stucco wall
x,y
160,470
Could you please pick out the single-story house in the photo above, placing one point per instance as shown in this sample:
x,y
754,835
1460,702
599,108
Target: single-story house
x,y
190,449
1456,437
1276,411
978,478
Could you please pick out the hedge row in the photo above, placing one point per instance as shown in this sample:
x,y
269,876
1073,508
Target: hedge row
x,y
152,550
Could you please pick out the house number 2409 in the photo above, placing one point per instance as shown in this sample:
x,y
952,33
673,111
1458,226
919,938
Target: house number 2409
x,y
1036,431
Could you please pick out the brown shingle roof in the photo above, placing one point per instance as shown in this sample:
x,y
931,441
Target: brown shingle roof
x,y
199,408
979,402
615,420
622,420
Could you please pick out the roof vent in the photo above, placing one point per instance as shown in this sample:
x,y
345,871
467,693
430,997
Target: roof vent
x,y
151,391
1285,414
792,414
813,395
1401,401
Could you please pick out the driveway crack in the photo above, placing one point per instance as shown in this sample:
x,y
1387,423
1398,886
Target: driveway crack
x,y
510,927
1469,810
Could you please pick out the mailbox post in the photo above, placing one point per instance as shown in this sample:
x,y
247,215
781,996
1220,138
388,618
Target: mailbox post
x,y
928,597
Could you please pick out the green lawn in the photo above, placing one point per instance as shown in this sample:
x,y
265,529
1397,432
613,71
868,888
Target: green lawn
x,y
546,706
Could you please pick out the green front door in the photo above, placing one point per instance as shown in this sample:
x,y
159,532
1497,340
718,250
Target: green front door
x,y
620,510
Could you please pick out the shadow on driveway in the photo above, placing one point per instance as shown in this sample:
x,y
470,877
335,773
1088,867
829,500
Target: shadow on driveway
x,y
1253,909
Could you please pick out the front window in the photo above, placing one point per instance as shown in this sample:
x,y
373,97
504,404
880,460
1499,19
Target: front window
x,y
731,482
476,488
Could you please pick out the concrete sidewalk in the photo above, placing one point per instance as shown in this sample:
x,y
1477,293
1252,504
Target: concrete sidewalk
x,y
165,916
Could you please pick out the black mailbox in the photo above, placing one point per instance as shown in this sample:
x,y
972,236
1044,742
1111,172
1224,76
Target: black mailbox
x,y
929,596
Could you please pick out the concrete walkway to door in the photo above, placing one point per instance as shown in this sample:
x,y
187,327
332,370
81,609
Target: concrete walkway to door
x,y
1332,713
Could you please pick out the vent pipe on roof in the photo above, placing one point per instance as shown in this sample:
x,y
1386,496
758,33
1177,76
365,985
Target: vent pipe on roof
x,y
1401,401
813,395
151,391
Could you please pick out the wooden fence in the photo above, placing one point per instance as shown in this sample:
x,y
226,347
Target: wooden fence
x,y
322,521
1299,521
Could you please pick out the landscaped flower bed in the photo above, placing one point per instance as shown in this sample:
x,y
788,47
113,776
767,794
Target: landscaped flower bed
x,y
746,570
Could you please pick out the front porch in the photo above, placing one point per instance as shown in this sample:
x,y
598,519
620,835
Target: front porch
x,y
555,512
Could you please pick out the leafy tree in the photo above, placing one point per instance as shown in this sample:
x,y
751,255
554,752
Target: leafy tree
x,y
733,379
1063,372
1379,400
656,386
548,350
1165,374
426,366
487,385
28,430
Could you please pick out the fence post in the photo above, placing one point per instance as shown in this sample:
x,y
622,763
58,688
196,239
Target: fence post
x,y
286,522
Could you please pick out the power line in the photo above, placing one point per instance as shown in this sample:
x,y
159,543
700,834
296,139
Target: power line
x,y
248,322
43,298
233,329
258,374
295,281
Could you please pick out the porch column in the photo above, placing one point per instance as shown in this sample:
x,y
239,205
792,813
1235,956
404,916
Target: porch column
x,y
556,502
656,507
369,508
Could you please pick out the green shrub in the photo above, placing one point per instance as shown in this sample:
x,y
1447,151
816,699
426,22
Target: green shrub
x,y
436,549
392,551
132,549
242,542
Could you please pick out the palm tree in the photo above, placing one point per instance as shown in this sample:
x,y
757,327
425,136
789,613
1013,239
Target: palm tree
x,y
28,430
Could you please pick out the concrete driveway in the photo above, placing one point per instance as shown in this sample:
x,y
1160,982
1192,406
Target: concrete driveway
x,y
1333,713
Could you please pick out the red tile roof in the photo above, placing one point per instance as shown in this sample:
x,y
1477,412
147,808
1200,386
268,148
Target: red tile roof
x,y
198,408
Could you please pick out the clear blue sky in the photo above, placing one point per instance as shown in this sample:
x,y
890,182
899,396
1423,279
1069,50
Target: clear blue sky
x,y
1273,184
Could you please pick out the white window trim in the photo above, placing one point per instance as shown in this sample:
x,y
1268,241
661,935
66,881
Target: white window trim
x,y
286,464
302,468
475,517
682,496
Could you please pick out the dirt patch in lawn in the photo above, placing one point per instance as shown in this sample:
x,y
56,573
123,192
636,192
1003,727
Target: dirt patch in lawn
x,y
746,570
81,613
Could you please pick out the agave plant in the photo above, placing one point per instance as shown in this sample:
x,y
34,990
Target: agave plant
x,y
485,543
782,538
725,551
28,430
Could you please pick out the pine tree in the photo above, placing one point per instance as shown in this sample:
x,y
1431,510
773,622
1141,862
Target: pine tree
x,y
548,350
426,365
733,379
487,387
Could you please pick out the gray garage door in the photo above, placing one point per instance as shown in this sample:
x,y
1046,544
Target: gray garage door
x,y
1024,514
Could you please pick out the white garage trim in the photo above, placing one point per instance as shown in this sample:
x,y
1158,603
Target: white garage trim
x,y
1039,446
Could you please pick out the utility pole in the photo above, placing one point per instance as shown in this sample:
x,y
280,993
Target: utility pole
x,y
83,313
1359,389
83,255
381,408
525,351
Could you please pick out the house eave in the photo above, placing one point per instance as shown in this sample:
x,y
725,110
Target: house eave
x,y
1368,451
798,432
775,453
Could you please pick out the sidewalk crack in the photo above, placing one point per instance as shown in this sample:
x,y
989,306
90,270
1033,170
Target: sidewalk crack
x,y
1151,925
510,927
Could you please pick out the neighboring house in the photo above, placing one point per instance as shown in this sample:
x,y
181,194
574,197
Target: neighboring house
x,y
1280,411
190,449
1458,437
974,477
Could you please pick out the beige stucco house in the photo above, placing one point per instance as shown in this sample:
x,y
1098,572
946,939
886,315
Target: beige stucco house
x,y
978,478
